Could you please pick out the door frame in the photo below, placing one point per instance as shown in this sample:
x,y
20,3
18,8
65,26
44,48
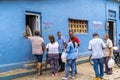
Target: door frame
x,y
114,31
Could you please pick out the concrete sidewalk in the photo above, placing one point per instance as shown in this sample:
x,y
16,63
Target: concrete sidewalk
x,y
85,72
30,69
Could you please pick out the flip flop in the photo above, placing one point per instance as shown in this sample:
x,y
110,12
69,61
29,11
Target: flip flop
x,y
39,74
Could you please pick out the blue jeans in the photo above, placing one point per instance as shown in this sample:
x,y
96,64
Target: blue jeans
x,y
75,67
70,63
99,63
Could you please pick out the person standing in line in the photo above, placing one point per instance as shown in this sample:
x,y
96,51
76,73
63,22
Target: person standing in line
x,y
71,34
53,55
37,48
108,52
72,55
62,43
96,45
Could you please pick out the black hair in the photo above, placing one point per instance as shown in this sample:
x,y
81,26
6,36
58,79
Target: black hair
x,y
95,34
72,39
70,31
58,32
51,38
37,32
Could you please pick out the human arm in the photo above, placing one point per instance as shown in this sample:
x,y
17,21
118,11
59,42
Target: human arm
x,y
68,48
43,46
110,45
90,46
78,43
25,35
111,52
103,44
47,48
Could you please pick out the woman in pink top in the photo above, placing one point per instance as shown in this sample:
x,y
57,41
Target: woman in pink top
x,y
37,48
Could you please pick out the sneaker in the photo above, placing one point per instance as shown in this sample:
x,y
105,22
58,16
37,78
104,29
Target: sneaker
x,y
60,70
105,71
64,78
109,73
72,77
101,77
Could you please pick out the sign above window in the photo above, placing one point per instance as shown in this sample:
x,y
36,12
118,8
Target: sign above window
x,y
112,14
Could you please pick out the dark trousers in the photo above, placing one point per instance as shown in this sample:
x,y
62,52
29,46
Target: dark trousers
x,y
61,64
53,58
107,70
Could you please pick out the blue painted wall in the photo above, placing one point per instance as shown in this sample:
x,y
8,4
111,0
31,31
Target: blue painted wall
x,y
14,48
110,5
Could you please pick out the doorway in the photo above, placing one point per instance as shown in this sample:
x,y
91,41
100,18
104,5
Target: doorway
x,y
32,23
111,31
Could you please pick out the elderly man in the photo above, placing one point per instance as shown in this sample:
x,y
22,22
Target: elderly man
x,y
62,43
108,52
96,45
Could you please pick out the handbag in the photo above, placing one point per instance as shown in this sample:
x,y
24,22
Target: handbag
x,y
63,56
111,63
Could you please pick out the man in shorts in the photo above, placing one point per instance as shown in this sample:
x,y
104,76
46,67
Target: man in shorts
x,y
37,48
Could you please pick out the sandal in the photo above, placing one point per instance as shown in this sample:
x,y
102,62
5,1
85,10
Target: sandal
x,y
56,74
39,74
53,75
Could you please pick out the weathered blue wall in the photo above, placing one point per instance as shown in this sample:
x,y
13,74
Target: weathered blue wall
x,y
110,5
14,48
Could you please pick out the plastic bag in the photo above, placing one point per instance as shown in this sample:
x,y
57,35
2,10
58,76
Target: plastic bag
x,y
63,56
111,63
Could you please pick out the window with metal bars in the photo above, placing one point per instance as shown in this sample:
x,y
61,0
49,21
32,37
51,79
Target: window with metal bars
x,y
78,26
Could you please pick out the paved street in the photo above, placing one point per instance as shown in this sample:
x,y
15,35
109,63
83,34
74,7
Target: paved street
x,y
85,72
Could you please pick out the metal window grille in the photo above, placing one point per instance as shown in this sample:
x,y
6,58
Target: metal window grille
x,y
78,26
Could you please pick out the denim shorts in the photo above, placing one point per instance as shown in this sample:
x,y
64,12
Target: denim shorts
x,y
39,57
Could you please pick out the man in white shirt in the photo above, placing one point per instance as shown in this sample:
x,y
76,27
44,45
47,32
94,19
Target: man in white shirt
x,y
108,52
96,45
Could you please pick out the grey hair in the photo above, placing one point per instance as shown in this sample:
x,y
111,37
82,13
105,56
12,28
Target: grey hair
x,y
106,34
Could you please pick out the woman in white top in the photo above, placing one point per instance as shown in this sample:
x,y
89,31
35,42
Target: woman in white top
x,y
53,54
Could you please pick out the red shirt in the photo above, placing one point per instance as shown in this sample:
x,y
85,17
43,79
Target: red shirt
x,y
75,39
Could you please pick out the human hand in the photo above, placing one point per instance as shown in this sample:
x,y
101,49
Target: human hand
x,y
110,56
25,34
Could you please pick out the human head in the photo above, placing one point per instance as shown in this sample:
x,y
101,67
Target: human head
x,y
51,38
72,38
106,36
59,34
95,35
71,33
37,32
